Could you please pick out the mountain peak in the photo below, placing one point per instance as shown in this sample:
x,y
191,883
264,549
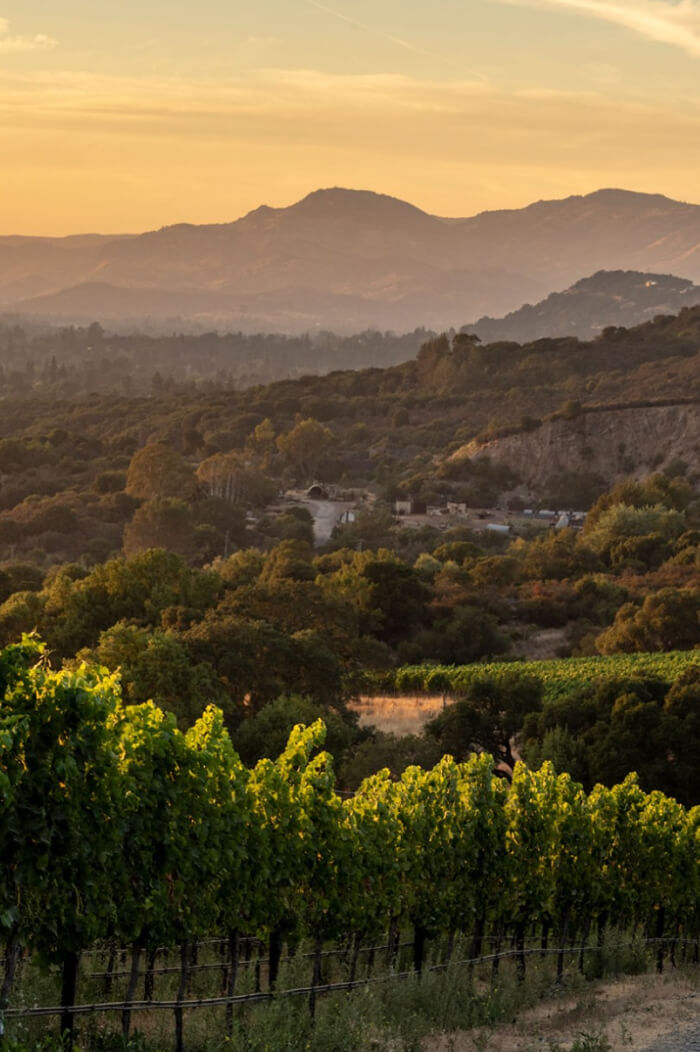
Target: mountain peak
x,y
348,259
632,198
335,200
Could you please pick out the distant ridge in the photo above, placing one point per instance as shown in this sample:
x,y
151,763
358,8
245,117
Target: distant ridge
x,y
617,297
348,260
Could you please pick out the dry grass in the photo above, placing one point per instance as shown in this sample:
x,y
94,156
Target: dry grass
x,y
400,715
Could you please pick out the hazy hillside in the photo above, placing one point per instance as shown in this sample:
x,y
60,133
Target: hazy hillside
x,y
620,297
349,259
439,426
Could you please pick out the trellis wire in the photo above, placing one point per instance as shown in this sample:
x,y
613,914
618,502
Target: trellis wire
x,y
305,991
219,965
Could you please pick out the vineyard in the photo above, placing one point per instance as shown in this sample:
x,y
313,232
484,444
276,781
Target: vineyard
x,y
557,676
116,828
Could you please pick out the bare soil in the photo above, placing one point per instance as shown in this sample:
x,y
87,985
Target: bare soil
x,y
631,1013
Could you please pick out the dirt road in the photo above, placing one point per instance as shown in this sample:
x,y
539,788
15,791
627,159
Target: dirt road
x,y
326,515
646,1013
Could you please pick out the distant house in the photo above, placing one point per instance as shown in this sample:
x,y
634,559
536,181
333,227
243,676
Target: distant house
x,y
410,507
317,492
574,519
457,507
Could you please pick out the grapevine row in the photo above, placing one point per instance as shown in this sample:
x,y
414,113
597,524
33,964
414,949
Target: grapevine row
x,y
116,825
557,676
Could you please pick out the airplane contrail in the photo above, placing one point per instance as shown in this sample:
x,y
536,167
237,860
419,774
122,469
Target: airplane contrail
x,y
397,41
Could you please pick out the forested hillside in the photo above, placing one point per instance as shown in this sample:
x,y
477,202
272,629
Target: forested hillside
x,y
153,533
65,460
622,297
82,362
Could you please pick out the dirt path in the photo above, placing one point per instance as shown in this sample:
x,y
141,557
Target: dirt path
x,y
326,515
640,1014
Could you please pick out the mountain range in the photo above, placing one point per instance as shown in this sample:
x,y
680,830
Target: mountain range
x,y
348,260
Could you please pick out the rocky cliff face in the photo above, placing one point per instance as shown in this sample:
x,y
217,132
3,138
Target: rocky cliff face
x,y
613,443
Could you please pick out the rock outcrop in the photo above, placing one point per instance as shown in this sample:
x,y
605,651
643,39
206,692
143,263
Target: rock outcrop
x,y
613,443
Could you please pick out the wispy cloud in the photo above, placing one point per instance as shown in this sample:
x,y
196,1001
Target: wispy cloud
x,y
674,22
397,41
264,92
10,43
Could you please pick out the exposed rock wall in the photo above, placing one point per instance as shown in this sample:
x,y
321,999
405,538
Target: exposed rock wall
x,y
613,444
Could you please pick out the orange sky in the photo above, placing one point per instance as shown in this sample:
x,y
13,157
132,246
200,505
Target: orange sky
x,y
129,119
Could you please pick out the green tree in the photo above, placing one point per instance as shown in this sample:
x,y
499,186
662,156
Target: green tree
x,y
667,620
643,535
488,717
390,596
230,477
265,734
157,665
21,612
681,735
468,634
166,522
157,471
658,489
304,446
141,589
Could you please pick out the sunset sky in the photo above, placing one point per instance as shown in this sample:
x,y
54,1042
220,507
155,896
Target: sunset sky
x,y
129,116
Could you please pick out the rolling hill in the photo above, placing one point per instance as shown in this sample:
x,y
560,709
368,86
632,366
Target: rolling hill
x,y
619,297
346,260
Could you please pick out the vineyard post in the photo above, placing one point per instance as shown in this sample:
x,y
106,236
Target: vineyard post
x,y
544,936
477,935
563,933
276,945
316,973
233,950
392,944
450,945
194,958
584,941
13,949
69,985
356,944
660,925
111,962
149,978
498,941
179,1021
674,943
520,947
136,951
420,934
